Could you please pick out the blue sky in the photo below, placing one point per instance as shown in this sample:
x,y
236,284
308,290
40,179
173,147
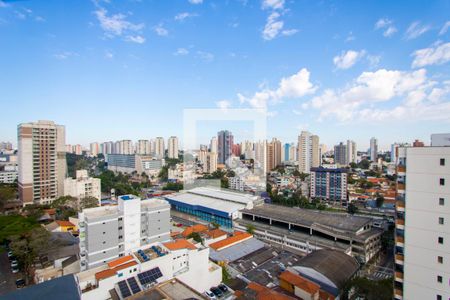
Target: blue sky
x,y
111,70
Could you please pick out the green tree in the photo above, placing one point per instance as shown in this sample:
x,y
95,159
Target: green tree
x,y
364,164
352,209
250,229
164,173
215,225
353,165
173,186
28,246
196,237
88,202
296,173
365,288
7,193
379,201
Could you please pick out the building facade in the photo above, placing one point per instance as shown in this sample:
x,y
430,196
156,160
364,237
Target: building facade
x,y
160,148
172,147
83,186
109,232
41,161
422,248
340,154
329,184
352,152
308,151
373,150
224,146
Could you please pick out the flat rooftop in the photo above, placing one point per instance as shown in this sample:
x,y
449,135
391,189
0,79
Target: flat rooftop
x,y
154,203
221,194
309,218
237,251
102,211
207,201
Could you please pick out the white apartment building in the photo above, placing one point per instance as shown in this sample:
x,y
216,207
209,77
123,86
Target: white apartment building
x,y
208,160
108,232
172,147
143,147
213,144
94,148
422,252
149,265
308,152
352,152
373,151
41,161
8,176
77,149
83,186
159,147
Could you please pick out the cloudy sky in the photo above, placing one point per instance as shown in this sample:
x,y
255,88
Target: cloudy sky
x,y
127,69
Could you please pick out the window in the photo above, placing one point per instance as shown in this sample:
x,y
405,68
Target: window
x,y
441,201
104,232
439,279
120,228
438,297
441,220
120,237
440,240
442,181
442,161
440,259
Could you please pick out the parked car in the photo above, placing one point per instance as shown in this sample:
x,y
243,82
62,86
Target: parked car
x,y
216,291
20,283
223,288
14,263
210,295
10,254
15,269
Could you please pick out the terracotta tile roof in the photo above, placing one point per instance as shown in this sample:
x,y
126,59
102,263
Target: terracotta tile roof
x,y
120,261
300,282
194,228
236,238
65,223
215,233
179,244
264,293
175,233
50,211
111,272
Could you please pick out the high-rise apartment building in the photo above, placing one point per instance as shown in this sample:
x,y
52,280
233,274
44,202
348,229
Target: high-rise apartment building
x,y
77,149
172,147
6,146
261,156
273,154
293,152
160,147
224,145
109,232
373,150
94,149
329,184
352,152
340,154
83,186
208,160
422,234
213,144
308,152
286,152
41,161
143,147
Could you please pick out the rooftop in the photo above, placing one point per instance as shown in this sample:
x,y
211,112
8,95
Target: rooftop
x,y
300,282
112,271
237,251
194,228
179,244
221,194
335,265
215,233
308,217
232,240
120,261
65,223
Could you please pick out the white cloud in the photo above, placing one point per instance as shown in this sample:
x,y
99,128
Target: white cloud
x,y
415,30
223,104
39,19
160,30
373,60
360,100
273,4
347,59
181,51
65,55
205,56
272,27
196,1
289,32
294,86
437,55
117,25
184,15
138,39
444,28
109,54
388,28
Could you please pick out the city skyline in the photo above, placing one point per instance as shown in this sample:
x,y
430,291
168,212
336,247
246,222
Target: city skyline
x,y
340,70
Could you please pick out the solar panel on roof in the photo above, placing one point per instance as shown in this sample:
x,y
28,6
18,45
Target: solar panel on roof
x,y
124,290
149,276
133,285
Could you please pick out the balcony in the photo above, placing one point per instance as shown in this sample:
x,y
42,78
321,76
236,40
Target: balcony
x,y
400,186
399,239
398,294
400,222
400,204
399,276
399,257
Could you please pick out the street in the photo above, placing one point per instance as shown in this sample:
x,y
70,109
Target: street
x,y
7,278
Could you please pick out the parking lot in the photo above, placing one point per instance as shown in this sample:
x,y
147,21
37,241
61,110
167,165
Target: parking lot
x,y
7,278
